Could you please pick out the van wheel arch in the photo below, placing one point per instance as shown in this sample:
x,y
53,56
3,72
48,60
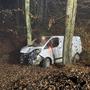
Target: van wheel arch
x,y
49,59
46,62
76,57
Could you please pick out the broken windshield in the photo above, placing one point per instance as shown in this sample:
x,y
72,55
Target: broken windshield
x,y
40,41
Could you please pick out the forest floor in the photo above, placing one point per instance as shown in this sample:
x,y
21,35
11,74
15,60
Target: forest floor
x,y
56,77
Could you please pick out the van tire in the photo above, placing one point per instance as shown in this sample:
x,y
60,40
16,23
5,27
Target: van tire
x,y
46,63
76,58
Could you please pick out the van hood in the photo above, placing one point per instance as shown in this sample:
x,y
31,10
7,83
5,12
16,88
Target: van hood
x,y
28,49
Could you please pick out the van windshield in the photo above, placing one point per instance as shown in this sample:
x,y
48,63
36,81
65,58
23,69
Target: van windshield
x,y
40,41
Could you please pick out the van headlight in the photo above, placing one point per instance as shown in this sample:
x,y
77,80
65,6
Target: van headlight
x,y
33,55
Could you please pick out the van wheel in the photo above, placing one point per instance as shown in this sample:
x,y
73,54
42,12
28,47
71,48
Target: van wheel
x,y
46,63
76,58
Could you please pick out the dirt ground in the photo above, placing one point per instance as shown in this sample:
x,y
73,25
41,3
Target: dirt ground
x,y
56,77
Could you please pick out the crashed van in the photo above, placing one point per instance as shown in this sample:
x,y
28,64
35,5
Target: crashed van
x,y
49,50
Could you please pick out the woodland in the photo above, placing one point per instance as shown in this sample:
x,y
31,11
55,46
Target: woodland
x,y
47,18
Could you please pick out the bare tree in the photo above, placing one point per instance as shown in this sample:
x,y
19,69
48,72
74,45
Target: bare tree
x,y
28,21
70,24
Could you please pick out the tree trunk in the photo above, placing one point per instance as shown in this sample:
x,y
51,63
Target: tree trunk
x,y
28,21
70,24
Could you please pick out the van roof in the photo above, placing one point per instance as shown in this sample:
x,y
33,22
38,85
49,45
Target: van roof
x,y
59,36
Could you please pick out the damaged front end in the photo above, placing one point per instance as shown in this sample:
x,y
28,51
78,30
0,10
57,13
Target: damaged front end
x,y
31,57
34,57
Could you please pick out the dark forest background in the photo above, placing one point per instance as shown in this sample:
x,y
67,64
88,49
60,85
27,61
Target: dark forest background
x,y
13,28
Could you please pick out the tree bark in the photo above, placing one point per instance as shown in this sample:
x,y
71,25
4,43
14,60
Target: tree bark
x,y
28,21
70,24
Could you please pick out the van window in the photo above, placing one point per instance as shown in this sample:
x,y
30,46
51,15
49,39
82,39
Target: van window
x,y
52,43
40,41
55,42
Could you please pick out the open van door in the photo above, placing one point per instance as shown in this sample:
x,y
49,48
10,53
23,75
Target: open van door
x,y
57,48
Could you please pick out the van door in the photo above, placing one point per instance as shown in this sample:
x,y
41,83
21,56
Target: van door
x,y
53,49
47,51
57,48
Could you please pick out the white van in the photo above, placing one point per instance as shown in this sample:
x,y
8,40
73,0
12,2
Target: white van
x,y
48,50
